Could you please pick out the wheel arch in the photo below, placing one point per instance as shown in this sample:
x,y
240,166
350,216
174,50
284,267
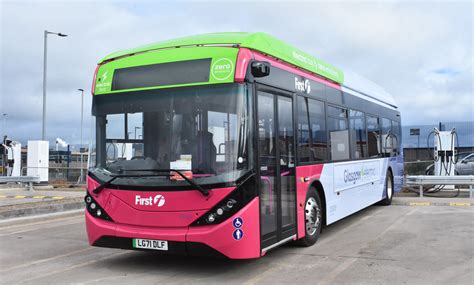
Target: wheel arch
x,y
390,170
318,186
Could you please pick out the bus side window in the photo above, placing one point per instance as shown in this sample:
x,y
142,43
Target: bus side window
x,y
304,138
317,119
338,133
358,134
396,137
373,136
386,137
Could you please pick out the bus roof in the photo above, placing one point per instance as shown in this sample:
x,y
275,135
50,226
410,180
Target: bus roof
x,y
256,41
364,86
274,47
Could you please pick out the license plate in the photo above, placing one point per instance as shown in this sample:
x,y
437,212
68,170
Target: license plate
x,y
150,244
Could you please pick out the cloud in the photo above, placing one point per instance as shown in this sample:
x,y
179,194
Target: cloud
x,y
422,53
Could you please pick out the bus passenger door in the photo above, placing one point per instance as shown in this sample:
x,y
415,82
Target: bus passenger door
x,y
276,148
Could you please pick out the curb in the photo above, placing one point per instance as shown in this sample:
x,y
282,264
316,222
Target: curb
x,y
42,217
40,208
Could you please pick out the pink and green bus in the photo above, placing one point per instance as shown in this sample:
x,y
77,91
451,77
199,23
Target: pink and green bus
x,y
231,144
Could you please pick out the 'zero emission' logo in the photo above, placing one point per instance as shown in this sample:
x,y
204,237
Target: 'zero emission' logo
x,y
222,69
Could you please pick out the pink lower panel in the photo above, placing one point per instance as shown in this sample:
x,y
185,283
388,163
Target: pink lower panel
x,y
221,236
97,228
305,175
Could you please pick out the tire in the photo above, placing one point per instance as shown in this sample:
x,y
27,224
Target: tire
x,y
313,219
388,189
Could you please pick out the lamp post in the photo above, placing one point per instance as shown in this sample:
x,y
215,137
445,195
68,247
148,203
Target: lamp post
x,y
45,57
4,117
80,147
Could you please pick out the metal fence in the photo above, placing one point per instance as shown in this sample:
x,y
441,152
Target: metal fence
x,y
417,167
60,175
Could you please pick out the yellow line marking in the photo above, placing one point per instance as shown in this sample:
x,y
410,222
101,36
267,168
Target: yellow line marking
x,y
459,204
20,196
38,197
420,204
58,197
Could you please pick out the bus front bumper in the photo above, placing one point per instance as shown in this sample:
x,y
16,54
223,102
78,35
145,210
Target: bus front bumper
x,y
211,240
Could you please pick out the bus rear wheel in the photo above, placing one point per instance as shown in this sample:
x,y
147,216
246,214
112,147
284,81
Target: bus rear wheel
x,y
388,189
313,219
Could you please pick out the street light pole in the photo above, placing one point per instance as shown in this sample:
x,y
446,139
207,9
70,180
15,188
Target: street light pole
x,y
82,117
4,124
45,60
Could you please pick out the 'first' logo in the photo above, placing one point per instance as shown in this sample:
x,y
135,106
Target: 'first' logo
x,y
158,200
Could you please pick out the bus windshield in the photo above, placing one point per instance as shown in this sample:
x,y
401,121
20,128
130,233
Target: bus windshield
x,y
201,131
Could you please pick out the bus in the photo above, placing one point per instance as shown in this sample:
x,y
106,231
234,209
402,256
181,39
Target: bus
x,y
231,144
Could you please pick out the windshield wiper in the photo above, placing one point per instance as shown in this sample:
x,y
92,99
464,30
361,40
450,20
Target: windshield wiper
x,y
205,192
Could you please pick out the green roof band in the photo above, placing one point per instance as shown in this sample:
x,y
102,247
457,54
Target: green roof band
x,y
261,42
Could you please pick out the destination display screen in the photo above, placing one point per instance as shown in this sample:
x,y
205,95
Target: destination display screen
x,y
162,74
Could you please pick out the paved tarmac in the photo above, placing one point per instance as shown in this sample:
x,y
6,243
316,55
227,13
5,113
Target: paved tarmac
x,y
379,245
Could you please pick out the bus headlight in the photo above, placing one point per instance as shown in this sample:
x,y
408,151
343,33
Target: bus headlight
x,y
219,213
211,218
236,200
94,208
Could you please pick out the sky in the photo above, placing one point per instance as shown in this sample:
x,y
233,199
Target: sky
x,y
420,52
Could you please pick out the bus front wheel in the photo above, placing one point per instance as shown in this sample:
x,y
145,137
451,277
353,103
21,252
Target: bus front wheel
x,y
313,218
388,189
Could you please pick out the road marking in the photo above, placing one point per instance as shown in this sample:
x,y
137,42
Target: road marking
x,y
461,204
328,279
336,271
19,220
420,204
75,266
41,228
46,259
349,227
31,197
256,279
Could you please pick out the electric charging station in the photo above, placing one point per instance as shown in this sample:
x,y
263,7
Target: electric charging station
x,y
444,152
38,159
11,157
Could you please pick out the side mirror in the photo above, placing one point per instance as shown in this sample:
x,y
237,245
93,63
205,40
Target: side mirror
x,y
260,68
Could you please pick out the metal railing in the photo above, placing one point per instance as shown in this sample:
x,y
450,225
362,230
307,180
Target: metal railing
x,y
458,180
21,179
61,174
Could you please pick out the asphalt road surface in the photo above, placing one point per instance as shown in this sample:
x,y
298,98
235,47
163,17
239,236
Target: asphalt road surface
x,y
379,245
